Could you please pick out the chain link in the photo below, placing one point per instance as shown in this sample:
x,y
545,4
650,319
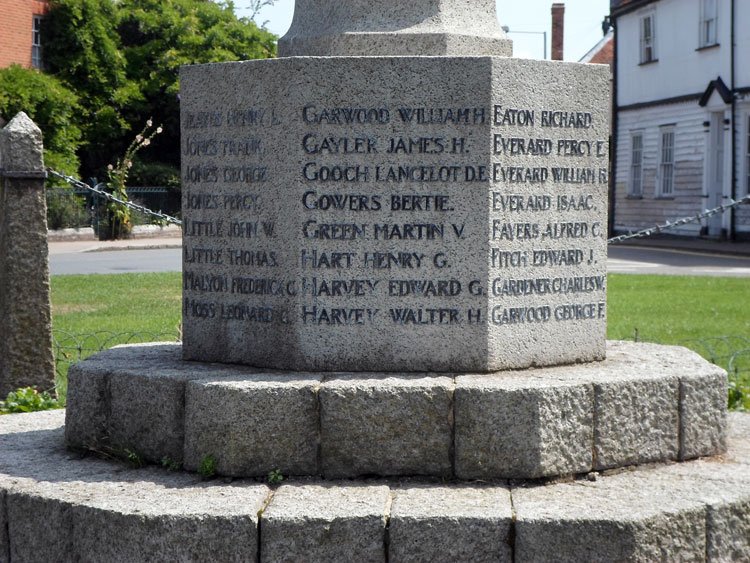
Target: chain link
x,y
614,240
110,197
678,223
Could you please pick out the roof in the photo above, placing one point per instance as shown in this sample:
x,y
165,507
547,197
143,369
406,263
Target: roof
x,y
603,52
719,86
618,7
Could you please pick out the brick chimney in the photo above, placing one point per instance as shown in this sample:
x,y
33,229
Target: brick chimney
x,y
558,25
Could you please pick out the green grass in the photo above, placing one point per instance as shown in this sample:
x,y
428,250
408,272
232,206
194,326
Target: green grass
x,y
99,311
671,309
697,312
706,314
116,302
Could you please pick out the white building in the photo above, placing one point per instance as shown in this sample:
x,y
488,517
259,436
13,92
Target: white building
x,y
681,130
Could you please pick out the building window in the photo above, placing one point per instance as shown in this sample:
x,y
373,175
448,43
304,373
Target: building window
x,y
36,43
709,17
636,165
666,166
747,171
648,39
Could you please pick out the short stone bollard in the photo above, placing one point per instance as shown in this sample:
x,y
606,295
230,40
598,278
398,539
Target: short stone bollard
x,y
26,357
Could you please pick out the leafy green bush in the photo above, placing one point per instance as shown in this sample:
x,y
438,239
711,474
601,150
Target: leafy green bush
x,y
52,106
154,174
122,57
28,399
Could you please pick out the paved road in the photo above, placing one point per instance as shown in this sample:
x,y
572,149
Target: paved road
x,y
632,260
75,258
116,261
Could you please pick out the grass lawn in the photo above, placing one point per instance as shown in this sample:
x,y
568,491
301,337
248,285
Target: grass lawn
x,y
709,315
117,302
671,309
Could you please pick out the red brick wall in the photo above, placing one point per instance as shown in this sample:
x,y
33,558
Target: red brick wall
x,y
558,26
16,26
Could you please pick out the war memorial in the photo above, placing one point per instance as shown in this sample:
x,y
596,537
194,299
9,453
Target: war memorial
x,y
394,295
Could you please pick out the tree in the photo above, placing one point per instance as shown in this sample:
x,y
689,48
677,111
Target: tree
x,y
82,49
123,57
158,36
52,106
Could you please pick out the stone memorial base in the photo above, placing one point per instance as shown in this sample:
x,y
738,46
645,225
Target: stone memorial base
x,y
57,505
645,403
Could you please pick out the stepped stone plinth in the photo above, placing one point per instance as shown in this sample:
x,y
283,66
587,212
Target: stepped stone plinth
x,y
91,510
645,403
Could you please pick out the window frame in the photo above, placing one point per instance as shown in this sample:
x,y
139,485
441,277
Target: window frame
x,y
37,59
704,33
635,177
647,45
665,179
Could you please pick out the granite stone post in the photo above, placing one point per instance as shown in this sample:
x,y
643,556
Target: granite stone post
x,y
26,357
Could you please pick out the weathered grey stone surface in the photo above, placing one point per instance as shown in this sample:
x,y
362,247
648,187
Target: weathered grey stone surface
x,y
348,280
637,409
522,425
254,425
152,518
4,544
703,397
576,522
88,408
93,510
391,27
518,424
88,400
25,318
637,421
386,425
612,519
148,412
325,523
434,524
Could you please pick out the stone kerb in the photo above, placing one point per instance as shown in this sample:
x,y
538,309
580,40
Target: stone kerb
x,y
26,357
398,214
93,510
645,403
393,27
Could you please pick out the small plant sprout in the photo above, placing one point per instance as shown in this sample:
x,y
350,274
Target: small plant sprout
x,y
275,477
170,464
134,458
207,467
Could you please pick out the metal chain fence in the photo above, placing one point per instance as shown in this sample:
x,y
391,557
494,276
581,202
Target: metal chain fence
x,y
109,197
679,222
70,348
